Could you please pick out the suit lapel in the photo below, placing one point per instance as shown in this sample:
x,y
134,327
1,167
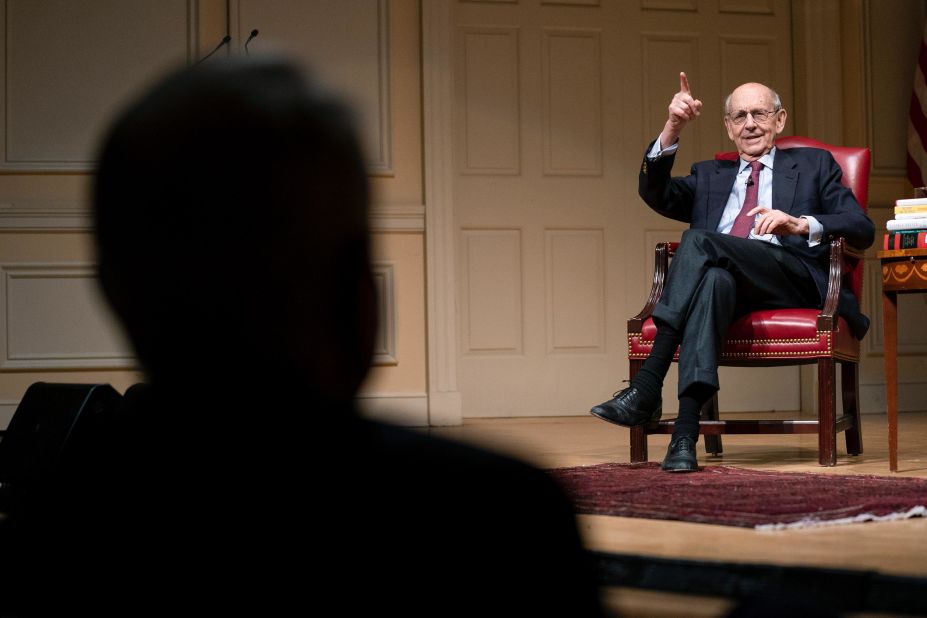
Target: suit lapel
x,y
719,190
785,179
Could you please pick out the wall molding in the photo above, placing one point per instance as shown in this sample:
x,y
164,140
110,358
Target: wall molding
x,y
594,147
397,218
74,216
405,409
503,107
444,401
66,351
384,349
85,161
51,216
383,161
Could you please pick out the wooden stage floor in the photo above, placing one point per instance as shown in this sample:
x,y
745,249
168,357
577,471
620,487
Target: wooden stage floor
x,y
891,548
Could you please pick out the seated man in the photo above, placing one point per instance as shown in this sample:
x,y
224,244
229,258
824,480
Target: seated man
x,y
757,239
231,207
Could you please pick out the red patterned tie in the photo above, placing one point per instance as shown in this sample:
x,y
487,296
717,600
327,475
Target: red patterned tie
x,y
743,224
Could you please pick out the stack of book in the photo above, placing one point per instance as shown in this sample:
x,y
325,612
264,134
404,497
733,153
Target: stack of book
x,y
908,230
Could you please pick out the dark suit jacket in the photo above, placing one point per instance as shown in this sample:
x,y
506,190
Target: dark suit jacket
x,y
189,502
806,181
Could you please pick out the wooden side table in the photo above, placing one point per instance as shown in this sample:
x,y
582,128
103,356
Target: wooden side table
x,y
904,271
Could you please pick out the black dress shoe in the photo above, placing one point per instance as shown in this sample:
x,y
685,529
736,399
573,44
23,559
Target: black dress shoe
x,y
680,456
628,409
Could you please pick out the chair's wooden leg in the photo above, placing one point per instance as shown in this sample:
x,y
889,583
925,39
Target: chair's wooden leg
x,y
849,378
639,433
634,366
710,413
827,419
638,444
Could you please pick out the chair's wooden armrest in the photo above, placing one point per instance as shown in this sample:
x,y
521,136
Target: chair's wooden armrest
x,y
839,250
661,256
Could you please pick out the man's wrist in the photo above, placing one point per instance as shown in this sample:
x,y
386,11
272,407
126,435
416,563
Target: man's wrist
x,y
814,231
668,137
659,149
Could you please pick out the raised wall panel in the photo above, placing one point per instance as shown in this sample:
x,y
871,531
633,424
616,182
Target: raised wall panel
x,y
666,54
53,317
575,280
572,76
384,346
67,67
492,291
750,7
747,59
344,42
490,135
669,5
894,32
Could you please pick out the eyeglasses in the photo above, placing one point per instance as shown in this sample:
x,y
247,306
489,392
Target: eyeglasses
x,y
759,115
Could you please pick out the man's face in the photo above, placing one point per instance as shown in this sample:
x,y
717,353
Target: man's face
x,y
753,137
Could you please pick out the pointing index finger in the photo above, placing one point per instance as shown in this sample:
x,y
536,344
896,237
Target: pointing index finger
x,y
684,83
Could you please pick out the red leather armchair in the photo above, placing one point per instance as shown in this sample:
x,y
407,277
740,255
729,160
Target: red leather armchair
x,y
780,337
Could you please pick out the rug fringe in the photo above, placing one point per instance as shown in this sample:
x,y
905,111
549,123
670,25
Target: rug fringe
x,y
811,522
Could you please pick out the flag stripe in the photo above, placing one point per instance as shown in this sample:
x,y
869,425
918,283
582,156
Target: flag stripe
x,y
917,119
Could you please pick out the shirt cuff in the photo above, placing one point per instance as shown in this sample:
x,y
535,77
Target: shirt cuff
x,y
655,152
815,230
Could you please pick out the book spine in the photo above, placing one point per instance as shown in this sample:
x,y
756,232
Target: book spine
x,y
917,201
894,225
914,239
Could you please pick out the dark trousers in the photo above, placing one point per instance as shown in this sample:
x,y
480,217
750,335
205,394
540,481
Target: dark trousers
x,y
713,279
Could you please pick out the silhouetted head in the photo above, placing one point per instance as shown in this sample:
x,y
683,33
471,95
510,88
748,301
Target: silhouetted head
x,y
231,215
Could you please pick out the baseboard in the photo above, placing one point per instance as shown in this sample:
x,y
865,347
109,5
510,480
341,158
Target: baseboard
x,y
912,397
406,409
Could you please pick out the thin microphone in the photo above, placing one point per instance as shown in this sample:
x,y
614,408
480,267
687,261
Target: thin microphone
x,y
225,41
749,180
254,33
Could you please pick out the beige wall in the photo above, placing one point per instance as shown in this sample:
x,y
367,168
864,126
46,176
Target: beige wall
x,y
851,72
866,103
891,37
45,238
43,214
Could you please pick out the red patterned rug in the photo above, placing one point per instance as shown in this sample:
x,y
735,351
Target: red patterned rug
x,y
730,496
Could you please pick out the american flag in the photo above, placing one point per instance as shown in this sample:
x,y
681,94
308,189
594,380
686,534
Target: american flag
x,y
917,120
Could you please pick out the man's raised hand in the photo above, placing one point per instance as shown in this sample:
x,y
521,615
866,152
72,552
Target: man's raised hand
x,y
683,108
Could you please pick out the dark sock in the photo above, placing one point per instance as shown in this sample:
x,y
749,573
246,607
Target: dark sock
x,y
649,380
690,407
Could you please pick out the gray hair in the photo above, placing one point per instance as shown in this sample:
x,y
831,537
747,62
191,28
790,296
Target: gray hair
x,y
776,101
